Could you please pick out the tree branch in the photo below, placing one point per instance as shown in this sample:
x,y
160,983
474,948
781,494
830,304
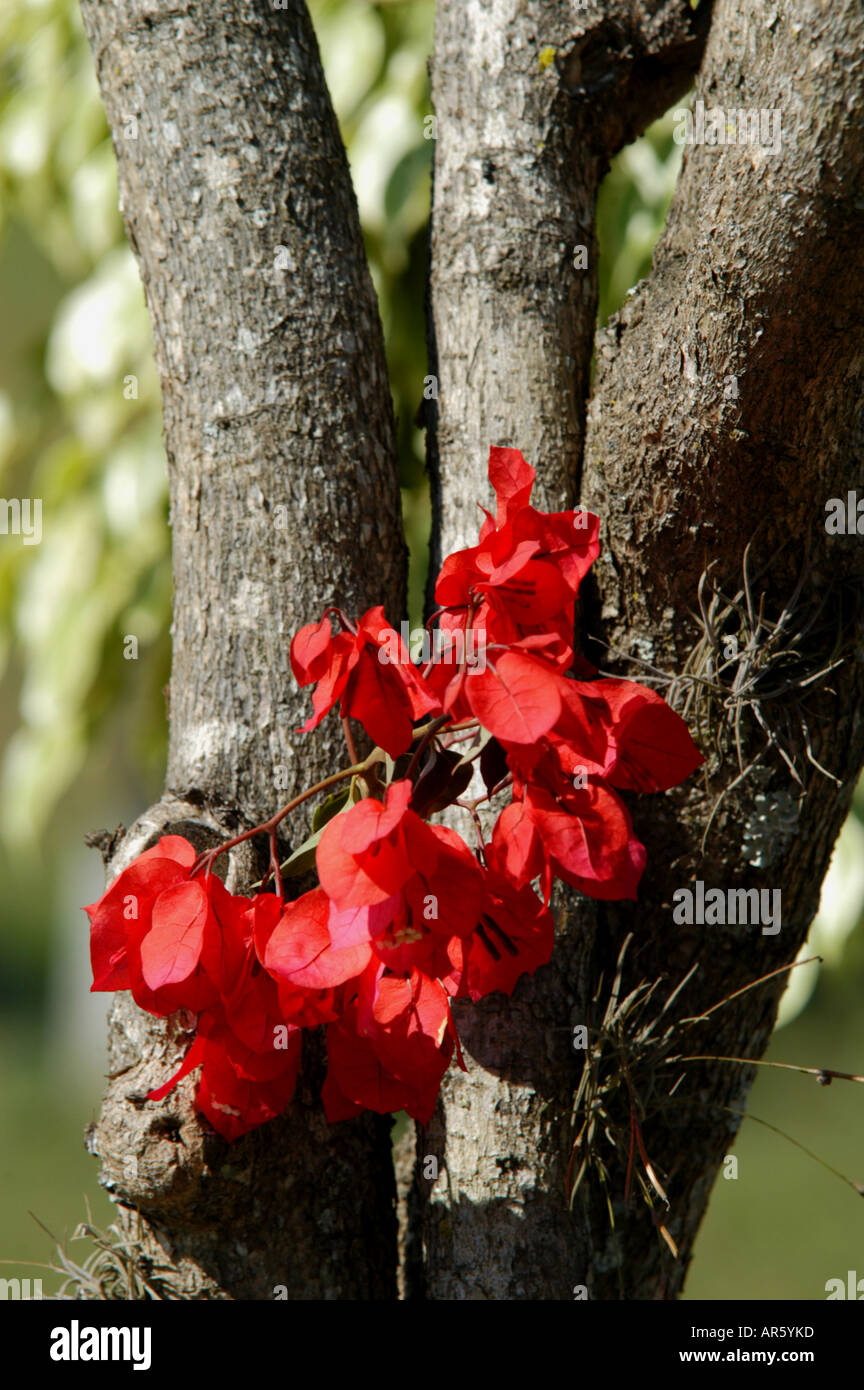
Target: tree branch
x,y
531,102
726,413
284,498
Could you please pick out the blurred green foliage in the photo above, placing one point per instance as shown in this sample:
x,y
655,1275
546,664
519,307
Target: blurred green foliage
x,y
79,425
631,210
80,428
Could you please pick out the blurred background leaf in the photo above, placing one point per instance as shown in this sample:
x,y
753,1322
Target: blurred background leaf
x,y
82,723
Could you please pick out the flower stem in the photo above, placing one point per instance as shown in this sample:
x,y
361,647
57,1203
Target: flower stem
x,y
269,827
349,739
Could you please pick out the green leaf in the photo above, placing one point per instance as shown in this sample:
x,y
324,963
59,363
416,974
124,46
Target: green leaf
x,y
331,806
302,860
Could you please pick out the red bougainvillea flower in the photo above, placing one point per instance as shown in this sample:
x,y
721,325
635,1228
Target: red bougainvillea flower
x,y
128,905
524,574
385,694
233,960
239,1089
236,1103
650,747
357,1080
365,855
149,929
184,943
612,729
404,916
584,838
390,1049
407,1021
300,954
515,935
518,697
398,884
248,1050
434,906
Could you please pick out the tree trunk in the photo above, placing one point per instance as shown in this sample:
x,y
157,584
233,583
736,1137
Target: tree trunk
x,y
756,290
284,498
757,279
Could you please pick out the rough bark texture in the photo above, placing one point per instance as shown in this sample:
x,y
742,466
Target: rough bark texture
x,y
758,278
531,100
284,498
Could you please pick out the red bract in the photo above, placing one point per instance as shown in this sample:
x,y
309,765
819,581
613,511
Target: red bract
x,y
365,855
517,697
148,932
171,949
395,882
233,1094
584,838
525,573
370,671
250,997
357,1079
515,935
650,745
404,916
615,730
407,1022
300,954
128,904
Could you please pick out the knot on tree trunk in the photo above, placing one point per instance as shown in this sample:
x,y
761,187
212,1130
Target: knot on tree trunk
x,y
154,1155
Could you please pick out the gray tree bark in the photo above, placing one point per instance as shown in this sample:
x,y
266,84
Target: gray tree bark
x,y
284,498
758,279
746,345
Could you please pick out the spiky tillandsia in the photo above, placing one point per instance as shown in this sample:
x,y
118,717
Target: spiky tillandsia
x,y
116,1270
626,1054
748,662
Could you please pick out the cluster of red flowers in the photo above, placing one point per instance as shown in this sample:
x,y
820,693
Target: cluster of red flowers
x,y
406,917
